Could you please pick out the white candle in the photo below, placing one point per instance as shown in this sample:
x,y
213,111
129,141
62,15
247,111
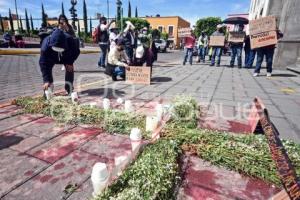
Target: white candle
x,y
159,112
120,101
136,139
74,97
106,104
120,164
151,123
48,94
99,178
93,104
128,106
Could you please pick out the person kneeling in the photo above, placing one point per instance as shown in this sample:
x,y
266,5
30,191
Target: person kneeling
x,y
117,61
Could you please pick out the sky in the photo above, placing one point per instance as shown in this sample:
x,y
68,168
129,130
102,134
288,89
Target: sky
x,y
191,10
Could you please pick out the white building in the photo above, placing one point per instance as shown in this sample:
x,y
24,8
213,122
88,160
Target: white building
x,y
259,8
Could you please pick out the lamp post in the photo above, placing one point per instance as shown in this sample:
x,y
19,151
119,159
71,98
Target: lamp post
x,y
73,14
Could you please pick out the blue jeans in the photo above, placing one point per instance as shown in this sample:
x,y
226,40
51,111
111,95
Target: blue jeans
x,y
251,57
269,53
129,53
236,52
202,53
103,48
217,51
188,55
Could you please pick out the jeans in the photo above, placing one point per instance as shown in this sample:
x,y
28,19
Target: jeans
x,y
103,48
217,51
188,55
236,52
251,57
129,53
269,53
202,53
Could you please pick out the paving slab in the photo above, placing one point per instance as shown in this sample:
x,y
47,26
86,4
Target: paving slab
x,y
45,128
64,144
50,184
12,122
204,181
16,168
9,111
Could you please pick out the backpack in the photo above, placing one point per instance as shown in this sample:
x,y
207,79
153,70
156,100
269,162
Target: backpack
x,y
95,35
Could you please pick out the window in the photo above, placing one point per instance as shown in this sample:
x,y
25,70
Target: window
x,y
171,31
160,28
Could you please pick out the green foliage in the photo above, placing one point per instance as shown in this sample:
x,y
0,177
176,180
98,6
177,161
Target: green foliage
x,y
62,8
27,22
164,36
136,12
11,21
137,22
209,25
44,16
85,19
155,33
129,9
31,23
152,176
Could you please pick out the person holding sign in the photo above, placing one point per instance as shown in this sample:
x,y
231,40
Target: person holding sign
x,y
217,50
202,46
267,51
236,44
189,43
117,61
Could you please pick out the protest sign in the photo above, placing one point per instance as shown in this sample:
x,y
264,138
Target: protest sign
x,y
236,37
184,32
217,41
138,75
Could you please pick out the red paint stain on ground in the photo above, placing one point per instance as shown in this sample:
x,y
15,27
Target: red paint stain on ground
x,y
59,166
68,175
45,120
28,173
81,170
53,181
45,178
255,187
77,157
201,185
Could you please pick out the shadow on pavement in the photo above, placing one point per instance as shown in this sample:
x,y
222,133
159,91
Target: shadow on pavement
x,y
91,71
103,92
10,140
284,75
161,79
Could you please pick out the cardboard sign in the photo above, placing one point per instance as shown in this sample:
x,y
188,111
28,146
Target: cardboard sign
x,y
263,39
236,37
217,41
262,25
285,169
184,32
138,75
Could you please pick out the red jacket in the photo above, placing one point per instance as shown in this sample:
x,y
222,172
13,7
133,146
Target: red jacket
x,y
190,42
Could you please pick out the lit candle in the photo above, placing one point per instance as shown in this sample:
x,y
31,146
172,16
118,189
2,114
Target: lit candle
x,y
151,123
48,94
106,104
74,97
99,177
159,112
120,101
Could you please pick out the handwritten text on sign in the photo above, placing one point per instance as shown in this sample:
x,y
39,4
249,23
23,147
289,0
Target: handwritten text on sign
x,y
138,75
237,37
284,167
261,25
217,41
184,32
263,39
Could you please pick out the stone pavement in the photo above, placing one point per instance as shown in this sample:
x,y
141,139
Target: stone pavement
x,y
221,90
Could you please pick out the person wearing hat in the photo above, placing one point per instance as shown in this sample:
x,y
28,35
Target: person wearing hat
x,y
202,46
217,51
58,48
117,60
102,38
113,35
236,49
129,40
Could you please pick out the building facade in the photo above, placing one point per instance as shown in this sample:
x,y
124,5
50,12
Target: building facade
x,y
232,27
288,16
169,25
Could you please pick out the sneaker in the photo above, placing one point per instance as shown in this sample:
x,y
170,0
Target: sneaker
x,y
212,65
255,74
269,74
240,66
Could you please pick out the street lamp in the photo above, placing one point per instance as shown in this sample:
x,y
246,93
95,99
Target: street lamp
x,y
73,14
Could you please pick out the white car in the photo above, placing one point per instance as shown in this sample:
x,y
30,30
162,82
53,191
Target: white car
x,y
161,45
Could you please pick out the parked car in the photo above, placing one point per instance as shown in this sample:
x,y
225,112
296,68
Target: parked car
x,y
161,45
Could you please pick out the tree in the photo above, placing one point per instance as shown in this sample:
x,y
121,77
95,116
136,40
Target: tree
x,y
62,8
11,21
164,36
85,19
136,12
119,5
21,25
79,28
44,16
27,22
129,9
137,22
2,25
31,22
209,25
